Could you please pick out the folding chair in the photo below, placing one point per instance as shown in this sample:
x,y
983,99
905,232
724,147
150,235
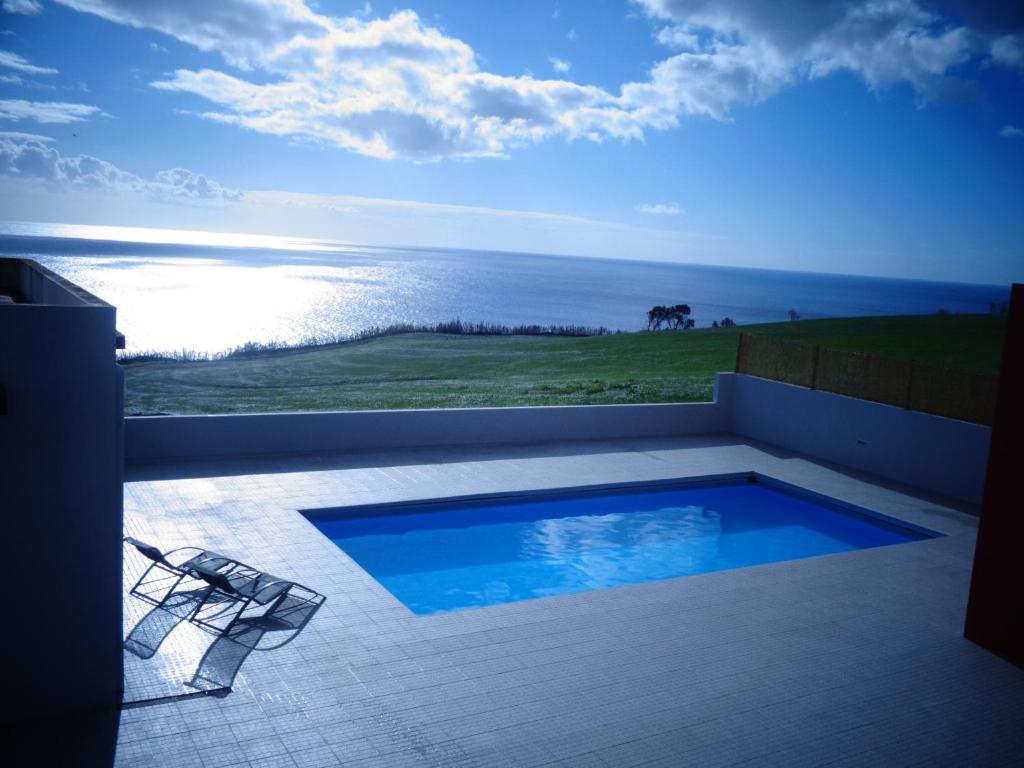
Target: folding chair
x,y
233,590
167,570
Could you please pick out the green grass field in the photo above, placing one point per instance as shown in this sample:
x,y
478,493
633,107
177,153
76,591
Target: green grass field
x,y
442,371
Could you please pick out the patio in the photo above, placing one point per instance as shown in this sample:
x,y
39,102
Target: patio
x,y
850,659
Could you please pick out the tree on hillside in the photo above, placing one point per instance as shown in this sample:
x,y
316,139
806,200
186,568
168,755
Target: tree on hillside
x,y
655,317
674,317
679,316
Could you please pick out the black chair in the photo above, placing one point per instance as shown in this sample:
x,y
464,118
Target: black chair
x,y
235,589
168,570
225,588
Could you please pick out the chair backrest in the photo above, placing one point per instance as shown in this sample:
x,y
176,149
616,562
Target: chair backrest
x,y
148,550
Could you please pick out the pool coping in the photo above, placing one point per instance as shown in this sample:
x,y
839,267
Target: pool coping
x,y
409,505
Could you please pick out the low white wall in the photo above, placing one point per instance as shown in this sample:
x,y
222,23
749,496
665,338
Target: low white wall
x,y
156,438
929,452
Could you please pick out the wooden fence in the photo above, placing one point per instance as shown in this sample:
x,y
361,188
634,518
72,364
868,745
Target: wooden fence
x,y
908,384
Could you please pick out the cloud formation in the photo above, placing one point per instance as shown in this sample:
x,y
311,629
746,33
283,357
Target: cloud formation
x,y
742,51
660,209
1008,50
14,61
560,65
46,111
396,87
246,33
29,157
21,136
24,7
1011,132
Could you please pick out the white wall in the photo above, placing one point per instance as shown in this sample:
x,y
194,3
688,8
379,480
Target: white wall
x,y
150,438
929,452
934,453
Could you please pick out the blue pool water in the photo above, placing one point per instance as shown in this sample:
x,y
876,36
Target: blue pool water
x,y
442,557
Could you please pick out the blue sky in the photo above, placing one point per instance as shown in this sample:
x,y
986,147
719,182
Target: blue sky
x,y
882,138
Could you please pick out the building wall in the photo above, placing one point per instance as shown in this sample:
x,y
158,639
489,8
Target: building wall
x,y
60,494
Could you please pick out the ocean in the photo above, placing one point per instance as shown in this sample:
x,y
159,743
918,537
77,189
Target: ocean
x,y
206,296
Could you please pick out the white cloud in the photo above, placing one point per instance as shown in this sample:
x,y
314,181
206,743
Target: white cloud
x,y
46,111
884,41
572,35
245,32
32,158
706,83
355,204
20,136
662,209
181,182
25,7
678,37
396,87
14,61
1008,50
560,65
1011,132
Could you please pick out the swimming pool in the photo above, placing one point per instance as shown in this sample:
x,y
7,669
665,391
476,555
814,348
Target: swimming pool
x,y
448,555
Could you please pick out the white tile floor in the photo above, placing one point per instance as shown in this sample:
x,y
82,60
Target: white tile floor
x,y
850,659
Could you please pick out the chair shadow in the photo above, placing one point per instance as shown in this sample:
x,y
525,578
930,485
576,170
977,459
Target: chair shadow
x,y
152,629
220,664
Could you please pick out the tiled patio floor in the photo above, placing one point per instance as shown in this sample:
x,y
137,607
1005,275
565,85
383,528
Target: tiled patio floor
x,y
850,659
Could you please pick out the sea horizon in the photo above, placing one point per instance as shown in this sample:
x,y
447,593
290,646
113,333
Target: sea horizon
x,y
210,238
289,290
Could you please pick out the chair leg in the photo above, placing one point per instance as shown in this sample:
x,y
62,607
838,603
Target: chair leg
x,y
196,616
136,590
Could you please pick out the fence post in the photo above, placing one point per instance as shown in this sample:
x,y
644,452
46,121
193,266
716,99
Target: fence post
x,y
910,386
814,366
741,349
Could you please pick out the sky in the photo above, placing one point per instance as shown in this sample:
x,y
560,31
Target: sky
x,y
881,137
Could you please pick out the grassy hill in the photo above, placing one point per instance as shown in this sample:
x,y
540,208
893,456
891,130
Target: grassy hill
x,y
424,370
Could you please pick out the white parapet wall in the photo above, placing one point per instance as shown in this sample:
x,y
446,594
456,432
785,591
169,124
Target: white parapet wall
x,y
160,438
934,453
930,452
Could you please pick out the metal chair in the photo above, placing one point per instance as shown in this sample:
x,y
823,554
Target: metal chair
x,y
168,570
233,590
